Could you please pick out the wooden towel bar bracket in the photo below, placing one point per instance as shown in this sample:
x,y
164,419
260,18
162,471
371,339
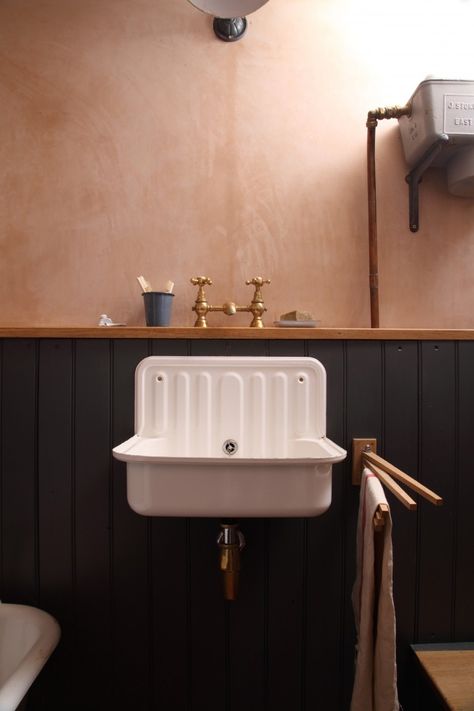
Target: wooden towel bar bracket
x,y
364,455
380,516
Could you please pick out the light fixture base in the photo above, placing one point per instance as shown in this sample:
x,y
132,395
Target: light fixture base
x,y
230,29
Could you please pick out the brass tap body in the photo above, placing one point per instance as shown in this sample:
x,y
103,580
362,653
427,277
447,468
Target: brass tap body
x,y
201,307
256,308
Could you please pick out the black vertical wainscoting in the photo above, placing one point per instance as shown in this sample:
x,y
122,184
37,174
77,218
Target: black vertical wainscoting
x,y
400,445
144,624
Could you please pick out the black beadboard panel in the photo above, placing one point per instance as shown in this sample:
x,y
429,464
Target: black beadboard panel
x,y
2,346
325,556
246,642
55,522
438,472
55,429
92,540
364,417
400,446
209,348
19,473
1,467
131,608
287,569
139,600
464,609
209,619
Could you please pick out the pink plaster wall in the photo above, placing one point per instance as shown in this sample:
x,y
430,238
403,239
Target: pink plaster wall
x,y
134,142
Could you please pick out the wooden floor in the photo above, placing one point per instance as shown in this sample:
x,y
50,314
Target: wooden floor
x,y
450,668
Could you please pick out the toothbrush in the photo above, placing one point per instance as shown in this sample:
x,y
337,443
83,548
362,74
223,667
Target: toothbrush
x,y
144,284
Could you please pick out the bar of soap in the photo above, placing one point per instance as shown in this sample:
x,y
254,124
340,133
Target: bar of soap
x,y
297,316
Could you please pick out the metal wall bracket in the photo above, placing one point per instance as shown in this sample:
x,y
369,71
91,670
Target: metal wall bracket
x,y
359,446
414,178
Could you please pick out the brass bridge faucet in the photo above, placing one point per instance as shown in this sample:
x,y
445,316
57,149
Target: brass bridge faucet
x,y
256,306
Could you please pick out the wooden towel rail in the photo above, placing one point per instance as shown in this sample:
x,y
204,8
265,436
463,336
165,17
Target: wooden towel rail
x,y
364,455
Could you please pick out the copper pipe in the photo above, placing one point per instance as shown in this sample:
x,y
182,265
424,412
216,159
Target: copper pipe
x,y
372,117
372,206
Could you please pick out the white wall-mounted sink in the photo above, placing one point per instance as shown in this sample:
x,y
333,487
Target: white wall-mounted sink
x,y
229,437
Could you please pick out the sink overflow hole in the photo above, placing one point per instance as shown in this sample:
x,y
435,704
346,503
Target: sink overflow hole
x,y
230,447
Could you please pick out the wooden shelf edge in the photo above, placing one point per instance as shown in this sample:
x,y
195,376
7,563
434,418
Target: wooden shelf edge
x,y
188,332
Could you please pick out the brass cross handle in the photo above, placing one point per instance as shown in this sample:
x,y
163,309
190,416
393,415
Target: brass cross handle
x,y
258,281
201,281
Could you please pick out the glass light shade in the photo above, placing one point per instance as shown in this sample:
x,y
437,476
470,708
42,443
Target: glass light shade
x,y
228,8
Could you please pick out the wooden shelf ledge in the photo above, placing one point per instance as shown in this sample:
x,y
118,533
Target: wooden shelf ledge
x,y
369,334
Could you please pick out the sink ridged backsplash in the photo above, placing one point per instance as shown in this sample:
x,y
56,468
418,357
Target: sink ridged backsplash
x,y
263,404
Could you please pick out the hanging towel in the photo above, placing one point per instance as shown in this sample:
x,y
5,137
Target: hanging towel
x,y
375,684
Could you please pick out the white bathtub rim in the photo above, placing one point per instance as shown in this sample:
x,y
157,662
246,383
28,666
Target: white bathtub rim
x,y
29,666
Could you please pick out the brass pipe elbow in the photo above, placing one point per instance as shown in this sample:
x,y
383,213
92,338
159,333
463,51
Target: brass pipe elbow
x,y
386,112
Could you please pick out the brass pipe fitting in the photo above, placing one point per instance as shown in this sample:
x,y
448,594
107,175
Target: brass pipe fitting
x,y
386,112
230,541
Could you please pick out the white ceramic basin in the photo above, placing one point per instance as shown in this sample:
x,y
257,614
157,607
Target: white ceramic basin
x,y
234,437
28,636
